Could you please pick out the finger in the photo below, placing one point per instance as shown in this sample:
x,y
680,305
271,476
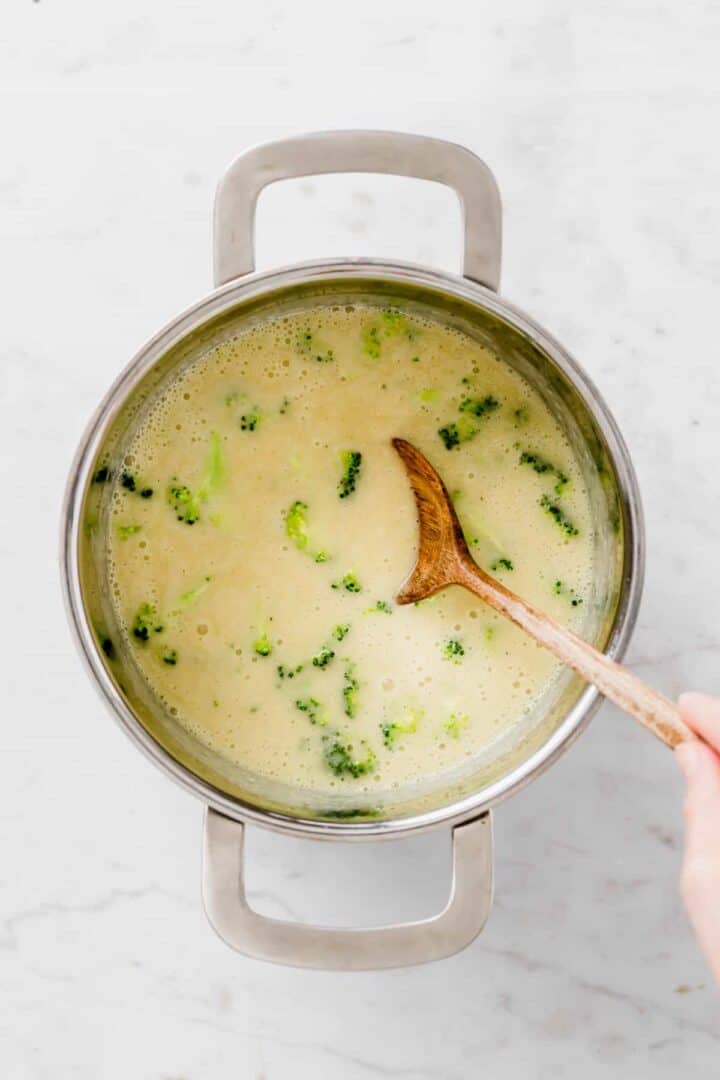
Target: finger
x,y
701,866
702,714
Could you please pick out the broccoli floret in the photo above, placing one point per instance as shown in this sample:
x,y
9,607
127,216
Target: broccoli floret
x,y
541,466
351,686
146,493
479,406
124,531
463,430
262,646
394,321
313,710
502,564
392,730
559,517
456,724
339,758
381,606
127,480
349,582
145,623
190,595
249,421
569,593
170,657
340,632
450,436
453,650
296,525
308,346
184,503
351,462
287,672
108,648
371,342
101,475
296,528
322,658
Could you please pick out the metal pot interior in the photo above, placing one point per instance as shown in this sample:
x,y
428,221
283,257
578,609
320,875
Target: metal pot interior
x,y
606,613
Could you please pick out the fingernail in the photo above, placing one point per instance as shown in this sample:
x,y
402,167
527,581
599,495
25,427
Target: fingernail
x,y
689,758
695,697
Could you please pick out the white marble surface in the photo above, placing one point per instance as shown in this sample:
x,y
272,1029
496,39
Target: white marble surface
x,y
600,122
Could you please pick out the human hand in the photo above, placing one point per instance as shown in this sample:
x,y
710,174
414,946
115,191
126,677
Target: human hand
x,y
700,764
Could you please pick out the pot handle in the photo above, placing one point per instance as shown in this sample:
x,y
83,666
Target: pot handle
x,y
360,152
329,949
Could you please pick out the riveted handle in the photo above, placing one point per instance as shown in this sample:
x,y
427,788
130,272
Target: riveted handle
x,y
331,949
389,152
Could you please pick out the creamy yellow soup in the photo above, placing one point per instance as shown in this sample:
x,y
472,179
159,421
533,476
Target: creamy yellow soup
x,y
262,525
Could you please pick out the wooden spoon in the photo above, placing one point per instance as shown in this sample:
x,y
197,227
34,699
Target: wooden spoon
x,y
444,559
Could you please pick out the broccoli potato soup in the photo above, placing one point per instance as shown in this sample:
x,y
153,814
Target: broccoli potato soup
x,y
261,525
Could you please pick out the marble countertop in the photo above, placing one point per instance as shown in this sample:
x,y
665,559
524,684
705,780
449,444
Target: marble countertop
x,y
117,120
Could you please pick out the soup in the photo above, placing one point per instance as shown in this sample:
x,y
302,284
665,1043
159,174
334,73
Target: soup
x,y
262,524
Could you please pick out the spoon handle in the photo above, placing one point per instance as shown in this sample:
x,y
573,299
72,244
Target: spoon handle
x,y
656,712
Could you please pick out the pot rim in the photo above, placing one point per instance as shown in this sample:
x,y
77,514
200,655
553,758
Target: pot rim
x,y
317,271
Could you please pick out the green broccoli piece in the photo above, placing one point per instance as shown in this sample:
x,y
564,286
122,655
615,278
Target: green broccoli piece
x,y
191,595
296,525
339,758
296,529
249,421
124,531
184,503
322,658
108,648
287,672
450,436
130,483
313,710
393,321
261,645
565,590
541,466
351,462
341,632
170,657
453,650
463,430
101,475
479,406
381,606
370,342
456,724
145,623
351,686
392,730
349,582
502,564
558,516
308,346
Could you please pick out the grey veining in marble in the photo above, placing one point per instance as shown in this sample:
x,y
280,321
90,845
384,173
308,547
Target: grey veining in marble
x,y
599,121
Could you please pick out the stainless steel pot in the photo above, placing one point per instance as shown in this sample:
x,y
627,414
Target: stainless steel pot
x,y
464,802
